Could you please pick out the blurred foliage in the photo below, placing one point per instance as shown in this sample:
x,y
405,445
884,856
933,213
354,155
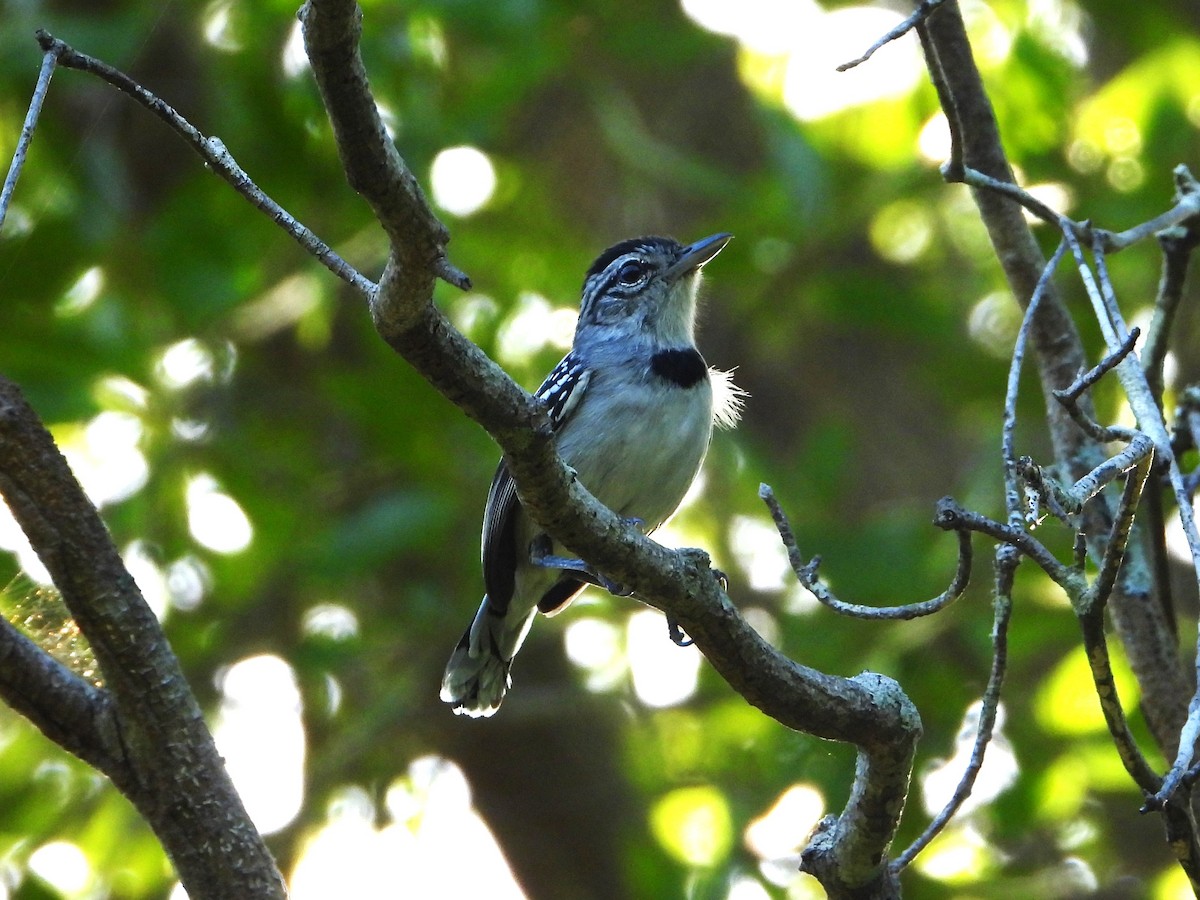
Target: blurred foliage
x,y
195,363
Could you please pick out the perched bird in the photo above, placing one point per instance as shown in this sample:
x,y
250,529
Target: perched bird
x,y
633,406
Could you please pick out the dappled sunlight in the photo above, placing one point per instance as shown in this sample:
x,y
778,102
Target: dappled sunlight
x,y
998,773
80,296
533,325
693,825
218,28
188,580
121,393
811,43
1172,885
13,539
462,179
664,674
471,312
777,836
595,646
1177,544
1111,126
1066,702
959,855
184,363
105,455
743,887
902,231
293,59
288,303
63,866
432,843
260,734
763,25
993,322
933,141
330,620
215,519
814,89
1055,194
760,553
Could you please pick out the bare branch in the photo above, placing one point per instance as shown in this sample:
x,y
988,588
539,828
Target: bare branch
x,y
1095,643
1088,379
31,119
73,713
925,9
1007,560
168,765
214,154
807,574
373,166
1118,539
1177,244
952,516
1187,207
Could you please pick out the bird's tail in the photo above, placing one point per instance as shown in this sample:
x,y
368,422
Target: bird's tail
x,y
477,678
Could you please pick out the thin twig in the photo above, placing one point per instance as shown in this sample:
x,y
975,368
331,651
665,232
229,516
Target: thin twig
x,y
1114,552
31,119
1149,420
976,179
214,153
1186,208
924,10
1177,244
953,167
1140,448
1095,644
1007,560
952,516
1089,378
806,573
1012,492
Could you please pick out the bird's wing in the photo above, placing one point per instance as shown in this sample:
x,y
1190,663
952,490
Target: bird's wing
x,y
500,539
561,391
564,388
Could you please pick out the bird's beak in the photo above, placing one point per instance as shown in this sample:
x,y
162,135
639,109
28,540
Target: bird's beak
x,y
697,254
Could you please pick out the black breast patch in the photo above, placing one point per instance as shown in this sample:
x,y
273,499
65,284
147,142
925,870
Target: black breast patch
x,y
682,367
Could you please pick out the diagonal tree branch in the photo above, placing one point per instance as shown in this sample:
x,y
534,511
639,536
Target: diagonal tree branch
x,y
869,711
148,734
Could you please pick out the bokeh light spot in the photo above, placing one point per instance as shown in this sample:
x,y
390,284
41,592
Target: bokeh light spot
x,y
215,519
261,736
693,825
63,866
663,673
462,179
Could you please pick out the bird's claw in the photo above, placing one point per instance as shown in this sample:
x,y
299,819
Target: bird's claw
x,y
678,638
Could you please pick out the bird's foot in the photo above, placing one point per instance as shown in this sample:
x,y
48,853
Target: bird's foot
x,y
540,555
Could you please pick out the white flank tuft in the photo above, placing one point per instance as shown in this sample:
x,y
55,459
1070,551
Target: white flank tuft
x,y
728,398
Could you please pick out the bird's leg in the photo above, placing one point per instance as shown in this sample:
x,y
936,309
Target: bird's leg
x,y
541,556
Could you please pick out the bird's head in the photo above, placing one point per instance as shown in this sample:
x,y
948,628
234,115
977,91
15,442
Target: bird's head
x,y
646,288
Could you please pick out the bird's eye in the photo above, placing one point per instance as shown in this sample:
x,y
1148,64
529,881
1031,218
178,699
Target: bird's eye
x,y
631,273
